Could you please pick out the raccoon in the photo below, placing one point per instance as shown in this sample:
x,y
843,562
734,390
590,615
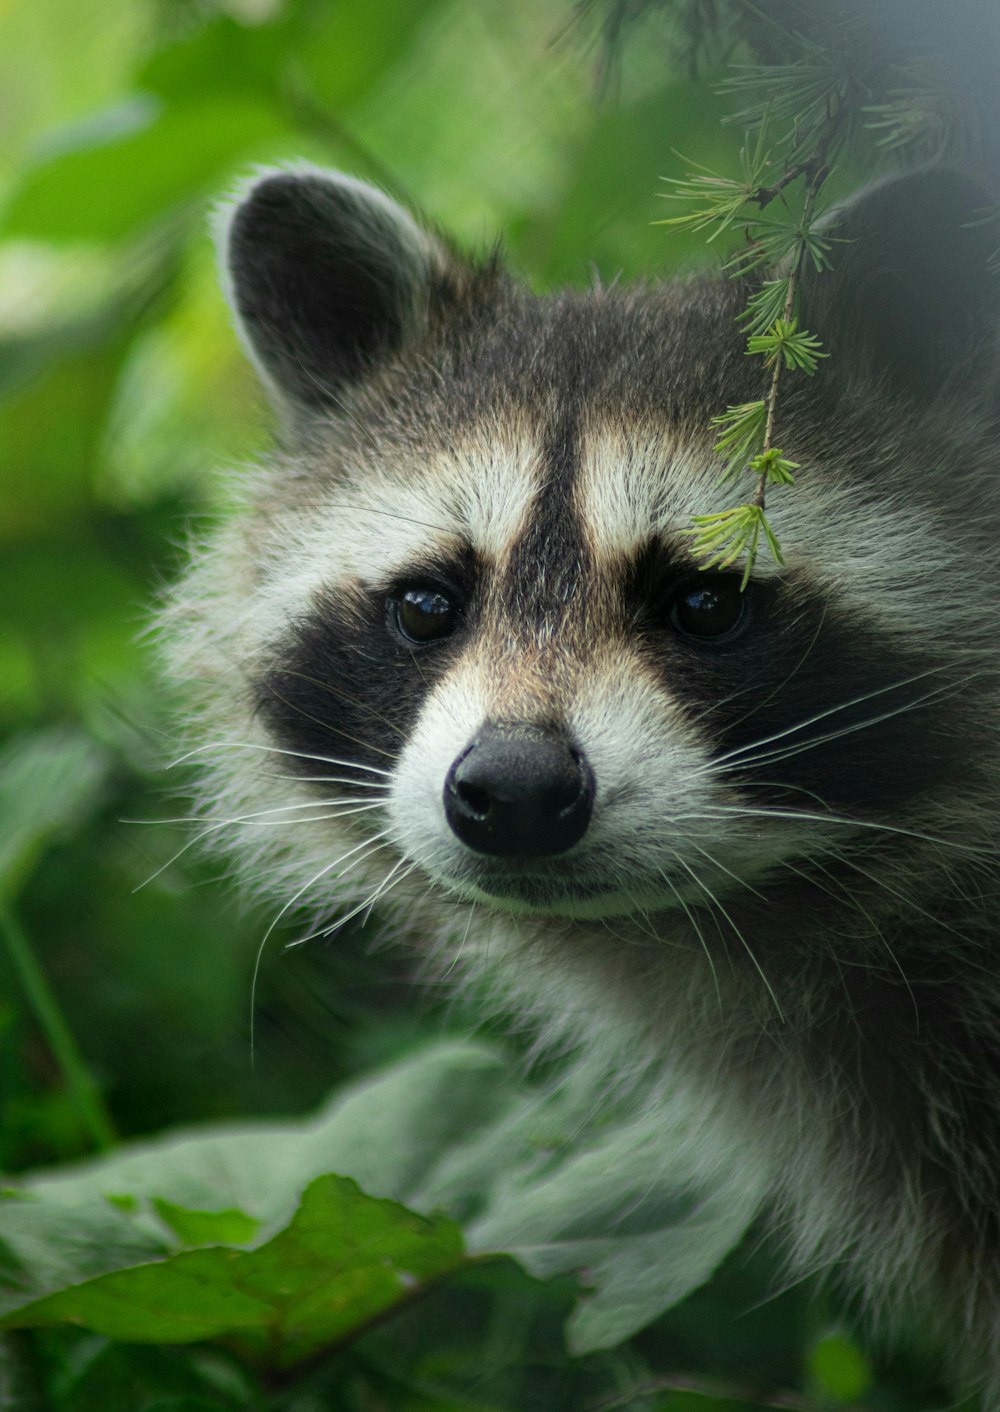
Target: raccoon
x,y
745,841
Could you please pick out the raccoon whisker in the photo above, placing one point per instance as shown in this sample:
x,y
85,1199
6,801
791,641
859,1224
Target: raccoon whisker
x,y
313,818
779,688
173,859
205,832
371,845
213,820
911,904
723,869
783,786
420,671
277,750
696,927
404,519
837,891
458,954
325,725
656,942
734,695
335,690
334,779
217,824
649,928
714,901
388,882
787,753
833,887
345,411
721,810
828,711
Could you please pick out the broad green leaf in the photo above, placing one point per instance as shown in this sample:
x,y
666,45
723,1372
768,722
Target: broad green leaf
x,y
344,1259
532,1173
107,190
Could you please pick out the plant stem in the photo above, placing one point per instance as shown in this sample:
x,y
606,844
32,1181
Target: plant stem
x,y
816,180
89,1106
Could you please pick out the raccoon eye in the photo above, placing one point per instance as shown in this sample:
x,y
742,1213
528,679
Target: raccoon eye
x,y
422,614
710,605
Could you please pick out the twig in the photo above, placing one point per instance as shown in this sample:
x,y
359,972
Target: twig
x,y
815,182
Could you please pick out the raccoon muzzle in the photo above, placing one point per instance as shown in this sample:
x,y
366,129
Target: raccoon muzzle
x,y
519,790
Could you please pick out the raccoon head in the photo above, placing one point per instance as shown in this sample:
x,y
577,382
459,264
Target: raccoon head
x,y
457,643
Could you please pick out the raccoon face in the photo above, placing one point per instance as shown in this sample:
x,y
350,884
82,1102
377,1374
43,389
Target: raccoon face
x,y
463,607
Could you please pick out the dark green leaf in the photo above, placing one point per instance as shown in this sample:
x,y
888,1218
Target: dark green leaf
x,y
344,1259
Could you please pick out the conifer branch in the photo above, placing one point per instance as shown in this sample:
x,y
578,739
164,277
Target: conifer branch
x,y
747,431
767,456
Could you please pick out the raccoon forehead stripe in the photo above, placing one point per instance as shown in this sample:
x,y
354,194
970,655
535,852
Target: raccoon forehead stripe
x,y
406,510
489,484
548,561
632,486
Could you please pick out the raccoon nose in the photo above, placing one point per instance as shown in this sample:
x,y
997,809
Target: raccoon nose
x,y
519,790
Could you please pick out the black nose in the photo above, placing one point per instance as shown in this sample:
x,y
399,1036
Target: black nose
x,y
519,790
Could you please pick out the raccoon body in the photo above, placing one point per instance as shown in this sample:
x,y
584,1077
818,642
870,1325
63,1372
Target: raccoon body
x,y
455,651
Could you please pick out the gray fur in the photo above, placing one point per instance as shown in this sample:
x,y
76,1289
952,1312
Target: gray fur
x,y
794,835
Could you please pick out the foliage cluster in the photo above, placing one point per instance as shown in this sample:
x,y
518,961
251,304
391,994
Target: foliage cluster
x,y
229,1269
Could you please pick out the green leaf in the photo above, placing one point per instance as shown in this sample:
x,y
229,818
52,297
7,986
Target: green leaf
x,y
774,466
344,1259
796,347
765,306
47,1244
721,538
741,430
721,199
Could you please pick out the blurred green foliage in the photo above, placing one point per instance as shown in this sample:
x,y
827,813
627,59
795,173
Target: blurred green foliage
x,y
123,391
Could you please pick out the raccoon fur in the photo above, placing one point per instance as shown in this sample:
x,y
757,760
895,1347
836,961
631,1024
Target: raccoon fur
x,y
454,642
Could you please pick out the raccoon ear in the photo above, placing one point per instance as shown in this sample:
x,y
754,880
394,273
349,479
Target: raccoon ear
x,y
326,275
910,296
